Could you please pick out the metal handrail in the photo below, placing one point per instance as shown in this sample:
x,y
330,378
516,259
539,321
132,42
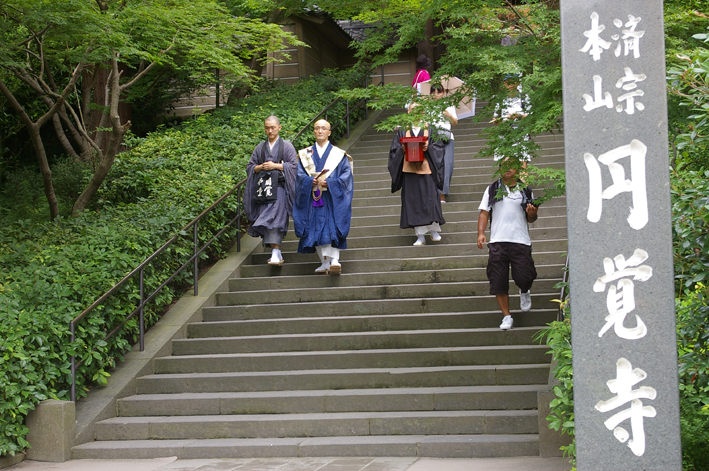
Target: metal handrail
x,y
562,294
139,270
194,259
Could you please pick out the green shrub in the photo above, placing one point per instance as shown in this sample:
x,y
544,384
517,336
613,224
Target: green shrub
x,y
52,271
694,421
557,335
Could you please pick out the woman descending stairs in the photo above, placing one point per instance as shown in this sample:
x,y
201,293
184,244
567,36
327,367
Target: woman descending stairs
x,y
400,355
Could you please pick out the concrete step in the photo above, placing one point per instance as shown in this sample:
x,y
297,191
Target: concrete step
x,y
339,359
471,203
456,222
430,251
389,277
339,424
449,446
458,208
379,306
372,156
462,131
305,264
486,166
216,338
380,323
487,397
541,230
359,378
351,293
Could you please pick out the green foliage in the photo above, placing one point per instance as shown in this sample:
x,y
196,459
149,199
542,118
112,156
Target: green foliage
x,y
694,422
557,335
52,271
48,45
690,217
471,35
690,224
688,79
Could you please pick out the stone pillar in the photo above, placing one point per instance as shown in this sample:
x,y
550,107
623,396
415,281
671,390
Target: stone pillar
x,y
626,398
52,429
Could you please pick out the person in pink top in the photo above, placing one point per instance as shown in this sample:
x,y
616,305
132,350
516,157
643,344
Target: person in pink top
x,y
422,75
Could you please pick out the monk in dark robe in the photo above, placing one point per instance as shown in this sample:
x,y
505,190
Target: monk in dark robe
x,y
273,165
419,183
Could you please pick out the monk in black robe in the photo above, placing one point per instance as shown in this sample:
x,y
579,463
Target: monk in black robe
x,y
419,183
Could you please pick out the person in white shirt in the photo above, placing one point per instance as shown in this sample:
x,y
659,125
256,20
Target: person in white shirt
x,y
509,239
443,126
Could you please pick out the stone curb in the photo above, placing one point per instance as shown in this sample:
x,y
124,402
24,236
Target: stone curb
x,y
7,461
101,401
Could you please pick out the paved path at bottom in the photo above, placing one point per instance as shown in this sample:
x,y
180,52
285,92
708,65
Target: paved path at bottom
x,y
304,464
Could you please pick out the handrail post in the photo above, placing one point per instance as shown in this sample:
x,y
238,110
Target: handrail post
x,y
196,260
562,295
382,82
141,316
73,363
239,204
366,108
348,119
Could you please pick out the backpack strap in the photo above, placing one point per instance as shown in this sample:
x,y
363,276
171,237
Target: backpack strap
x,y
493,198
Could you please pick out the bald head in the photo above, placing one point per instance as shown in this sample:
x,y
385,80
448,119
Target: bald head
x,y
322,132
272,126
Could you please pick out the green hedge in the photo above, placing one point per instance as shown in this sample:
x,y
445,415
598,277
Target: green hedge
x,y
53,271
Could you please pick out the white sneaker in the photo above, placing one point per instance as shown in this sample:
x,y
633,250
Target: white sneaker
x,y
335,267
435,236
506,323
420,240
324,268
525,300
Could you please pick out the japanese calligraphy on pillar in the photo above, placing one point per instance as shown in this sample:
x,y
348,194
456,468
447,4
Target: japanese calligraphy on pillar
x,y
620,252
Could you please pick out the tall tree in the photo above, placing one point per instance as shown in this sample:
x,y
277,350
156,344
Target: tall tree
x,y
56,48
483,41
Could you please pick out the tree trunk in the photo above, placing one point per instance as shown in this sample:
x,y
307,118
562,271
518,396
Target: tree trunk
x,y
426,45
36,139
107,157
62,136
46,172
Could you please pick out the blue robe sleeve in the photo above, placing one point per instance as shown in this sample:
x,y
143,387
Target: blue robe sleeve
x,y
303,201
290,169
340,185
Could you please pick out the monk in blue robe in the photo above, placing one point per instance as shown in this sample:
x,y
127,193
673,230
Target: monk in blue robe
x,y
322,210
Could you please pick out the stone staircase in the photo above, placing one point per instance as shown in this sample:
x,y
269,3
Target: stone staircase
x,y
401,355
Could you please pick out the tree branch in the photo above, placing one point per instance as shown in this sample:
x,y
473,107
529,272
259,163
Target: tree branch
x,y
142,73
65,93
520,18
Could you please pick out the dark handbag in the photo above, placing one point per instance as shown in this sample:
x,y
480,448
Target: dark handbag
x,y
267,181
266,190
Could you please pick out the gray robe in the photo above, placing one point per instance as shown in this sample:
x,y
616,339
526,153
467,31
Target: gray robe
x,y
273,215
